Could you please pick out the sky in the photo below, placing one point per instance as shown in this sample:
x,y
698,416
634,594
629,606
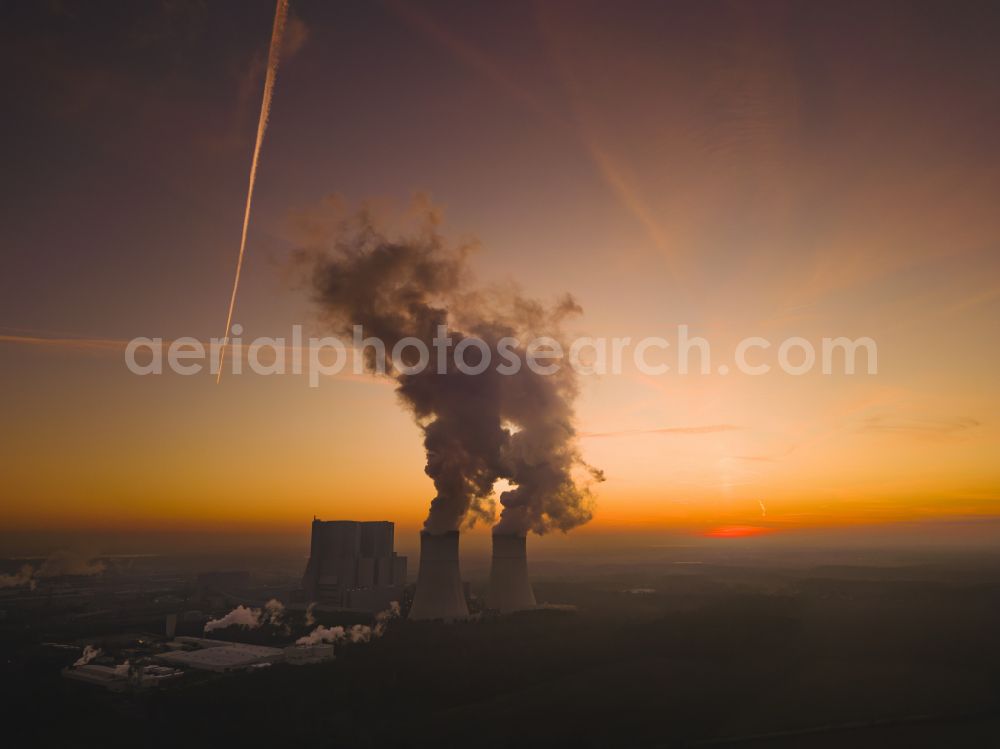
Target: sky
x,y
767,169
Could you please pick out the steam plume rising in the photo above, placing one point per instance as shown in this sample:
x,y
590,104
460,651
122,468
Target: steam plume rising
x,y
63,562
23,577
273,53
89,653
241,616
66,562
356,633
477,428
248,618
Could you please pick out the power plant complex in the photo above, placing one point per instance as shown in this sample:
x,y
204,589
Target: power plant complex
x,y
353,565
353,573
440,593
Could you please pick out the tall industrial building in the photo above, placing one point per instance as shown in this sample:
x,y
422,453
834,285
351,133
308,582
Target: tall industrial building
x,y
352,565
510,589
440,593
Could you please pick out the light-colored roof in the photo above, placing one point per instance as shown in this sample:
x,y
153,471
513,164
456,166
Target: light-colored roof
x,y
222,658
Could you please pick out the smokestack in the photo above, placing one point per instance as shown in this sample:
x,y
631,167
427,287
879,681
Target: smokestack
x,y
509,587
439,583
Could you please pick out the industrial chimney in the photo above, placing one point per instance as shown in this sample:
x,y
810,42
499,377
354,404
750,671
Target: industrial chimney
x,y
509,586
439,585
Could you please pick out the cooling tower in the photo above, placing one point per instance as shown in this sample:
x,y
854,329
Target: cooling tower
x,y
439,585
509,586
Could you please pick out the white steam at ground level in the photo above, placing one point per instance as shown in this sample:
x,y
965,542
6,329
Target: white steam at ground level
x,y
89,653
24,576
62,562
355,633
249,618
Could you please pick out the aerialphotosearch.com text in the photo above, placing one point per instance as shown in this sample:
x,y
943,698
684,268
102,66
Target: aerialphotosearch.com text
x,y
328,356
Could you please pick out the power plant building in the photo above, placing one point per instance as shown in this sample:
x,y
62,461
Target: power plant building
x,y
440,594
352,565
510,589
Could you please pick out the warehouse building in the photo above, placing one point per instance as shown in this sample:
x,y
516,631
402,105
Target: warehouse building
x,y
219,656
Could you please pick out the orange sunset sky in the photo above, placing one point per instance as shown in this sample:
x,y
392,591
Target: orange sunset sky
x,y
762,169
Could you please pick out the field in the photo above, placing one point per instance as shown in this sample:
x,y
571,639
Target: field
x,y
754,653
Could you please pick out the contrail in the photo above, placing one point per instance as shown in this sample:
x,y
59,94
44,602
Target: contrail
x,y
280,13
708,429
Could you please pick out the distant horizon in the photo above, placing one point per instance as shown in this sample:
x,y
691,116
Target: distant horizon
x,y
953,534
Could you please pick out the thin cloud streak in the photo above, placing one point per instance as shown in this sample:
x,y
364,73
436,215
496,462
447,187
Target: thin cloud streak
x,y
75,344
923,427
707,429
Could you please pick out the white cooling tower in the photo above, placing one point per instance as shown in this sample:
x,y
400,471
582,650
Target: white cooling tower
x,y
439,584
509,586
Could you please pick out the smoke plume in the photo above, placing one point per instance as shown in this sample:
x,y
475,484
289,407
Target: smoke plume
x,y
65,562
477,428
383,618
62,562
89,653
322,634
356,633
24,576
274,612
248,618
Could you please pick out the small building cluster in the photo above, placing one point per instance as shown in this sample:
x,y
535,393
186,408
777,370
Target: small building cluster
x,y
123,677
159,667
